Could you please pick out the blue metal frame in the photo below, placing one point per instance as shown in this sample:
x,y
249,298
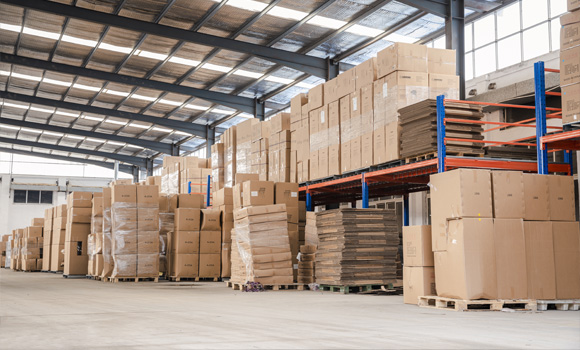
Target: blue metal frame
x,y
541,127
189,187
441,149
406,210
365,192
568,159
308,200
208,202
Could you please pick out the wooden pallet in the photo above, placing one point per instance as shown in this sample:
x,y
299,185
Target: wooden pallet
x,y
74,276
96,278
30,270
133,279
273,287
365,288
433,155
560,305
193,279
477,305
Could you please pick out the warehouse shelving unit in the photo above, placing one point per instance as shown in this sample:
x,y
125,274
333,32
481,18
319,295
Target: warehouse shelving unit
x,y
397,178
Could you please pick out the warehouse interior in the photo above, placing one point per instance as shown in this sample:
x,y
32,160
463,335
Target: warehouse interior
x,y
350,173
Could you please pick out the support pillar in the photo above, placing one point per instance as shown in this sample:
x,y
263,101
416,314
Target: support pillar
x,y
210,140
455,38
175,149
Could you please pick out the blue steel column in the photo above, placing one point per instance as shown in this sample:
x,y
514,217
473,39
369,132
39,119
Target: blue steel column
x,y
189,187
406,210
441,133
308,200
541,129
568,159
208,202
365,192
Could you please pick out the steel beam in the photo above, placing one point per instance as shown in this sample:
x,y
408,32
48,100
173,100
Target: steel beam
x,y
308,64
122,167
194,129
438,8
455,39
243,104
138,161
157,146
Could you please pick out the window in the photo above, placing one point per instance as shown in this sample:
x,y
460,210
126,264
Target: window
x,y
484,31
508,20
33,196
509,51
469,37
485,60
534,12
536,41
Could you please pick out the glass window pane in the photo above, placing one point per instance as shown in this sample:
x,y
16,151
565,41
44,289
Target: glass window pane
x,y
557,7
439,43
19,196
509,51
555,28
469,66
536,41
46,197
508,20
534,12
469,37
484,31
485,60
33,197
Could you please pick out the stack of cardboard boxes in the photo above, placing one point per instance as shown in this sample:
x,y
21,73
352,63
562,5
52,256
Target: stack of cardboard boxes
x,y
280,147
58,238
570,63
107,243
217,164
184,243
78,228
46,247
167,206
95,267
15,249
224,202
418,270
243,149
259,158
306,264
228,138
210,244
287,193
31,248
504,235
4,248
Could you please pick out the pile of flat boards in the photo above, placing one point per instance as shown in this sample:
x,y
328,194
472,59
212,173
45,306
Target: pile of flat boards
x,y
356,247
419,129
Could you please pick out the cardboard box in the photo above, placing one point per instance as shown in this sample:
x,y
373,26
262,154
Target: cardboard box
x,y
442,84
540,260
76,259
61,211
147,242
402,57
441,61
148,265
97,209
418,281
346,83
508,194
77,231
33,231
459,193
510,258
561,198
226,265
570,30
330,88
417,246
224,196
316,97
187,219
279,122
191,200
211,220
571,104
184,265
37,222
286,193
126,194
567,259
258,193
79,215
241,177
79,199
185,242
573,5
148,195
536,197
365,73
570,66
57,257
296,104
467,269
209,265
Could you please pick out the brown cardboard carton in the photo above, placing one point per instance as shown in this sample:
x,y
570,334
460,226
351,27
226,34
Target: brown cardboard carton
x,y
508,194
296,104
346,83
238,193
441,61
316,97
570,66
442,84
573,5
77,231
417,246
258,193
184,265
458,193
540,260
287,193
571,103
37,222
191,200
561,197
367,155
187,219
148,219
355,153
61,211
280,122
185,242
226,260
570,30
224,196
366,73
323,162
241,177
330,91
536,197
510,258
148,194
418,281
210,242
97,209
76,259
567,259
148,265
124,194
34,231
124,243
79,215
211,220
467,270
402,57
80,199
209,265
148,242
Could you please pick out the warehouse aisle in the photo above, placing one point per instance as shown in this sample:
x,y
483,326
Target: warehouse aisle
x,y
45,311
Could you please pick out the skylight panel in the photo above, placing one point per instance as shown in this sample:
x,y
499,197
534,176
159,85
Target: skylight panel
x,y
79,41
246,73
184,61
216,67
149,54
326,22
121,49
41,33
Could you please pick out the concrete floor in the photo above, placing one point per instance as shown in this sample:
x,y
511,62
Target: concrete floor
x,y
46,311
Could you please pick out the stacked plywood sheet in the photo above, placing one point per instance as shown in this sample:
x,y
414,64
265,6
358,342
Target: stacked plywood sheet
x,y
419,129
356,247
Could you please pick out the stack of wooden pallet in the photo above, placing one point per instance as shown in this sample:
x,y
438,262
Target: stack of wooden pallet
x,y
419,129
356,247
306,264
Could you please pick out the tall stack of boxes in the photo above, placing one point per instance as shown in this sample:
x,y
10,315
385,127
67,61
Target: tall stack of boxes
x,y
570,63
418,270
78,228
124,230
243,149
280,148
185,241
47,235
210,244
107,242
504,235
167,206
229,140
58,238
170,174
147,202
217,165
96,237
287,193
224,202
31,248
5,251
260,150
